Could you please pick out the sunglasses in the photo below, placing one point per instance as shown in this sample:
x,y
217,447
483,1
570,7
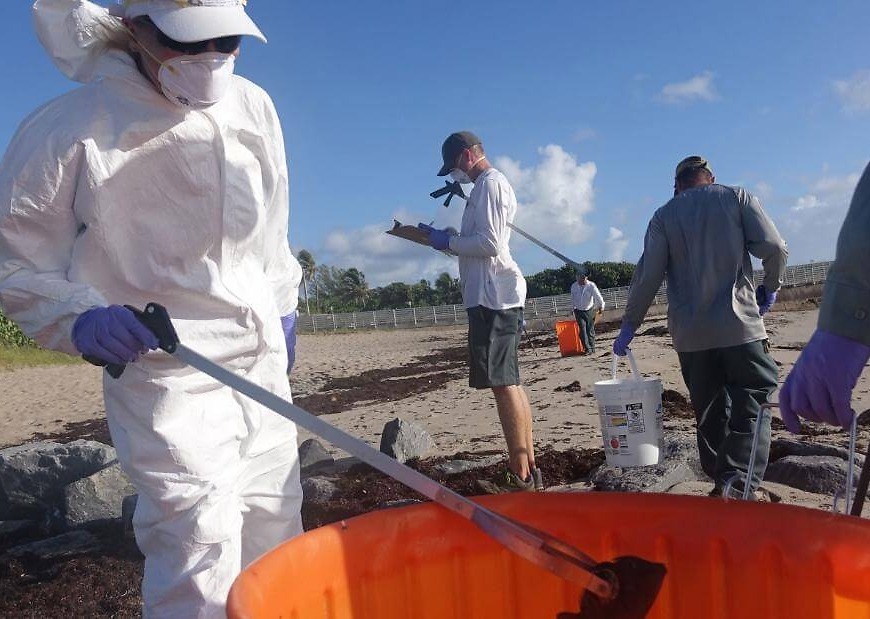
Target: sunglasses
x,y
224,45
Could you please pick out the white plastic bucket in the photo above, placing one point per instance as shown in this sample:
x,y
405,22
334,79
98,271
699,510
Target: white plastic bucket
x,y
630,411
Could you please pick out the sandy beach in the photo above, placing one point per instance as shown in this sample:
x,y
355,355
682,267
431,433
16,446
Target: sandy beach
x,y
47,400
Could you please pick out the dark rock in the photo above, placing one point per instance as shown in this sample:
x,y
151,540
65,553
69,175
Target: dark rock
x,y
405,440
313,456
454,467
63,546
318,490
32,476
679,463
96,498
821,474
789,447
15,530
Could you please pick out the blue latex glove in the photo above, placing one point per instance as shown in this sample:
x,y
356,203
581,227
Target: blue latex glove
x,y
620,344
439,239
819,386
112,334
764,299
288,325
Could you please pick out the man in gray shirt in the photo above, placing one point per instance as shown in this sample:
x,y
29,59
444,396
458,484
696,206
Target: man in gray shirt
x,y
702,240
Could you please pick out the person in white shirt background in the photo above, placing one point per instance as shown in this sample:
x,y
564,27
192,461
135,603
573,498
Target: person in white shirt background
x,y
587,302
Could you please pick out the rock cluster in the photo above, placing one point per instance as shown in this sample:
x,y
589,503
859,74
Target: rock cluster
x,y
56,491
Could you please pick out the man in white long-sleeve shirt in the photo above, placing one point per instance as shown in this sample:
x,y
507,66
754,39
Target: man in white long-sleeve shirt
x,y
587,302
494,293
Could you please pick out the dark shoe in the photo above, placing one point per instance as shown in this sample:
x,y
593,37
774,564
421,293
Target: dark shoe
x,y
718,491
507,481
761,495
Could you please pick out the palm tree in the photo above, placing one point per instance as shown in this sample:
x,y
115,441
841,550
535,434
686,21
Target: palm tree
x,y
355,288
306,261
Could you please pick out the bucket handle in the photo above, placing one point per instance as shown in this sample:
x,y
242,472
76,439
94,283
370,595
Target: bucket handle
x,y
634,371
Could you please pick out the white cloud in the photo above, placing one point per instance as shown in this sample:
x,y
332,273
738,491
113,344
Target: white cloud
x,y
554,196
854,92
806,202
384,258
697,88
615,244
812,222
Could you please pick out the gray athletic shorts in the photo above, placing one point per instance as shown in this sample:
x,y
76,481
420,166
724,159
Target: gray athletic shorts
x,y
493,339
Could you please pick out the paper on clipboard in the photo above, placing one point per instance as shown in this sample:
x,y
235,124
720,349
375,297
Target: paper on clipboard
x,y
415,234
411,233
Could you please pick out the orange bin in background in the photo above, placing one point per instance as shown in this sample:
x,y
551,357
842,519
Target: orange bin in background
x,y
728,560
568,333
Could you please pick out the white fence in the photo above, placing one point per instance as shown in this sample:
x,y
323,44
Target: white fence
x,y
541,307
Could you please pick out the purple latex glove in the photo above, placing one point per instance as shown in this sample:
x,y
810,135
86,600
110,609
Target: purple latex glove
x,y
620,344
764,299
288,325
439,239
819,386
112,334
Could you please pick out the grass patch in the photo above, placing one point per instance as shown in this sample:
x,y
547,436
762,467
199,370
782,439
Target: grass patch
x,y
14,357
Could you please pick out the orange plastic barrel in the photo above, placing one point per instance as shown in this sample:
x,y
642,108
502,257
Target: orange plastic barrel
x,y
568,334
725,560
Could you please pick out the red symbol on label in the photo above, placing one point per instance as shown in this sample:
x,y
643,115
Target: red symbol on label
x,y
614,442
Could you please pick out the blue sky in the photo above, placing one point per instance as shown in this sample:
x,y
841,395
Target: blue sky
x,y
587,106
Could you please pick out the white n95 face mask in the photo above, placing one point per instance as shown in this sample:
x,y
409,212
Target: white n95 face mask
x,y
198,81
459,176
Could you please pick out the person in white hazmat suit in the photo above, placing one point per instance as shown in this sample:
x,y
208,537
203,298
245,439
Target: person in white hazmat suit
x,y
164,179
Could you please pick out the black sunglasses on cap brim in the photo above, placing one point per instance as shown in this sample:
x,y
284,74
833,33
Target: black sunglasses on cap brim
x,y
224,45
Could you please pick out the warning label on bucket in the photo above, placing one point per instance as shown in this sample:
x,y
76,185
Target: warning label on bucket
x,y
635,417
617,420
629,416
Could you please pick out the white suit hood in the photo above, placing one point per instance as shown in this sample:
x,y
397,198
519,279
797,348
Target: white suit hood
x,y
77,35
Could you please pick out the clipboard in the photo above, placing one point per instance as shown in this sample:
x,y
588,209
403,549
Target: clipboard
x,y
411,233
415,234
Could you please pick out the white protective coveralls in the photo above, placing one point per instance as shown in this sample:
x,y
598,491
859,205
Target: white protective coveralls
x,y
111,194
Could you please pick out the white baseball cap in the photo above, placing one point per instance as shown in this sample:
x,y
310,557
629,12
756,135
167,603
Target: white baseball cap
x,y
195,20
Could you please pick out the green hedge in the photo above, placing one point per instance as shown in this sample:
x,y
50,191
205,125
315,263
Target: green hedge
x,y
11,335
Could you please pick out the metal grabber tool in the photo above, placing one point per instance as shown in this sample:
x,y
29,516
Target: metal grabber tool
x,y
623,588
847,493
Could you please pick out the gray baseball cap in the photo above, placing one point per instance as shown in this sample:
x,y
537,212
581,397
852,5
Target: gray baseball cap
x,y
453,146
694,162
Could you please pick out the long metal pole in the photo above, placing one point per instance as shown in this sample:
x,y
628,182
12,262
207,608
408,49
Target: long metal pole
x,y
544,246
551,554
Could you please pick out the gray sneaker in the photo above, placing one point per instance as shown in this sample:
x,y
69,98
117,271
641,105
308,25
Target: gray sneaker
x,y
507,481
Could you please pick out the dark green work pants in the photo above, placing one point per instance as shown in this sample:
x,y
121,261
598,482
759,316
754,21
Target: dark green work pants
x,y
727,387
586,322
